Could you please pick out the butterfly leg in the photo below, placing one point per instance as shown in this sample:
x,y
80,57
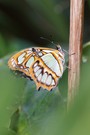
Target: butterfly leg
x,y
39,88
25,76
51,89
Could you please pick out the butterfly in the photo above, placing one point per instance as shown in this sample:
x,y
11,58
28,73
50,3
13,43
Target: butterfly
x,y
43,65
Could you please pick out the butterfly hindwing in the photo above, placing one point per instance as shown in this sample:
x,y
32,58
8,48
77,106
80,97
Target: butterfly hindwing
x,y
43,76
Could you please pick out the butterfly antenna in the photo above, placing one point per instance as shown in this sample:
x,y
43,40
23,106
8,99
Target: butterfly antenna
x,y
48,40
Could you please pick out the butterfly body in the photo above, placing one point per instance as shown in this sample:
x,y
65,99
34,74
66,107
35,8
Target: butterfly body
x,y
43,65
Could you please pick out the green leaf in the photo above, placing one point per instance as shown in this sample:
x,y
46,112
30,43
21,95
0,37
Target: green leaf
x,y
11,90
36,106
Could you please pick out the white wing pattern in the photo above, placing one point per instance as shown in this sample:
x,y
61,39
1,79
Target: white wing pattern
x,y
43,65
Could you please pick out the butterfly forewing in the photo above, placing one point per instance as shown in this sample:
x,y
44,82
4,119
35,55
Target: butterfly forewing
x,y
22,61
43,65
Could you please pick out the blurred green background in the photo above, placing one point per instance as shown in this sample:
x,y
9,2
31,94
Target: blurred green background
x,y
23,110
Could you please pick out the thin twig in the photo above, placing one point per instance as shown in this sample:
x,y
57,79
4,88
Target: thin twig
x,y
75,46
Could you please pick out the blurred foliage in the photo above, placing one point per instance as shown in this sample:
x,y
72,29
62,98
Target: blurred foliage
x,y
23,110
31,19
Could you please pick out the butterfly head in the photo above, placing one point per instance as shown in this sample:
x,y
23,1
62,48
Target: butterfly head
x,y
58,47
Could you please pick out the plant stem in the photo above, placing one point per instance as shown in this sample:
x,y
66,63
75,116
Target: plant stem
x,y
75,47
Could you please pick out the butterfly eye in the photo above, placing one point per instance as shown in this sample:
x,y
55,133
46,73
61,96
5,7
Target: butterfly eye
x,y
58,47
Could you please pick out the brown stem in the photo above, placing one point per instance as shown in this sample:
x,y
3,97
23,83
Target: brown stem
x,y
75,46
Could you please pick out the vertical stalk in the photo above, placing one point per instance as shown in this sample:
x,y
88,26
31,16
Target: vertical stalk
x,y
75,46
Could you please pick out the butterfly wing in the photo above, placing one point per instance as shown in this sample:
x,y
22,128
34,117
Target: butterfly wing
x,y
41,64
22,61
